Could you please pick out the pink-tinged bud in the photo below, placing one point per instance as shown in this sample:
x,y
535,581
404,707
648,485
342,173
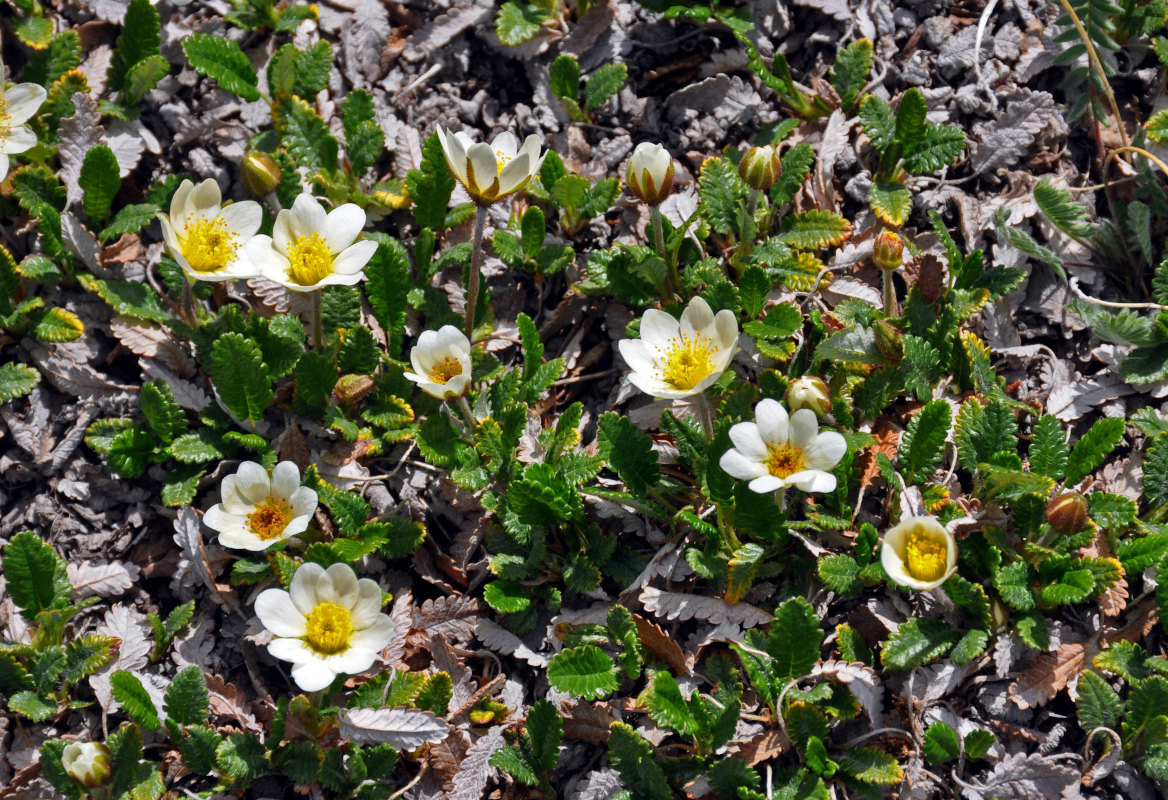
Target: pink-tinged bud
x,y
88,763
650,173
809,392
888,252
1067,513
260,172
889,340
351,389
760,167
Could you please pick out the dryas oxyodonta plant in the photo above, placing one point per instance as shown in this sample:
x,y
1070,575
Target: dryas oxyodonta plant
x,y
17,104
919,553
441,362
778,450
257,510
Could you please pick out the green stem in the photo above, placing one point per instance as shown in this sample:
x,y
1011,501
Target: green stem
x,y
781,498
317,322
752,203
467,412
889,294
188,302
476,259
659,245
706,415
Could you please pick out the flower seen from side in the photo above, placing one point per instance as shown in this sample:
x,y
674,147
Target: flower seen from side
x,y
490,172
779,450
88,763
17,105
760,167
328,623
207,238
809,392
649,173
310,248
258,510
441,361
919,553
679,358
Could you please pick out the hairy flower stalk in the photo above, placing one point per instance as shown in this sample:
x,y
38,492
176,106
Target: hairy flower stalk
x,y
888,254
649,175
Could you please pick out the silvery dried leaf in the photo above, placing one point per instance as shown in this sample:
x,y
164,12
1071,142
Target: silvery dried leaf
x,y
90,578
503,641
1029,118
79,134
129,626
403,728
1070,401
672,605
476,769
1025,777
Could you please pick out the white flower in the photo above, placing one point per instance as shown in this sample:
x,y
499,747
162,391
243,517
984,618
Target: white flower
x,y
919,553
650,173
677,359
17,105
257,511
441,361
809,392
206,238
776,450
88,763
328,624
310,248
492,171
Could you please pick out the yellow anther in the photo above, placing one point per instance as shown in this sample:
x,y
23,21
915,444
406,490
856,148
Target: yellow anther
x,y
209,246
688,362
311,260
328,628
270,518
926,555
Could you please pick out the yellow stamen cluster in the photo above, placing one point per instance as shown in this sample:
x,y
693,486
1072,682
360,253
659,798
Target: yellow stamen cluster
x,y
270,518
208,245
689,361
328,628
784,460
925,556
501,160
311,260
445,369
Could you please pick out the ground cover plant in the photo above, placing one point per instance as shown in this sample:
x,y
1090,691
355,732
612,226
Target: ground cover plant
x,y
590,399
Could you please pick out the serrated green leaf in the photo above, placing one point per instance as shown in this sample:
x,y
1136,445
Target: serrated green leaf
x,y
584,671
970,598
1098,706
63,54
629,452
941,744
794,639
517,22
754,286
564,78
1003,485
545,731
1112,511
164,416
606,81
143,77
240,376
891,202
871,765
815,229
139,39
515,763
304,133
722,193
100,181
841,573
430,185
972,645
224,62
17,380
1048,448
241,756
853,345
35,575
878,121
850,73
32,706
130,219
186,700
939,147
635,760
923,442
917,642
667,708
1073,586
506,597
796,167
1123,326
56,325
129,691
1095,446
1016,237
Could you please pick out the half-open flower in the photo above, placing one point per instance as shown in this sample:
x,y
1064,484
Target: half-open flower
x,y
329,623
17,104
919,553
681,358
88,763
492,171
208,239
777,450
310,248
441,361
650,173
256,510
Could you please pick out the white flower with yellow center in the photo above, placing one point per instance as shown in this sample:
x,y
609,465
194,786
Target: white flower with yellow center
x,y
441,361
777,450
327,624
919,553
256,510
17,105
674,358
88,763
206,238
310,248
650,173
490,172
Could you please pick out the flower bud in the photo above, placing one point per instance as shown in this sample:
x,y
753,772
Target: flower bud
x,y
889,340
88,763
1067,513
260,172
888,252
650,173
809,392
760,167
352,389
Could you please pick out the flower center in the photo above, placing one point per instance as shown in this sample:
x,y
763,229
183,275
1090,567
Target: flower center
x,y
688,362
270,518
445,369
209,246
311,260
501,160
328,629
925,556
784,460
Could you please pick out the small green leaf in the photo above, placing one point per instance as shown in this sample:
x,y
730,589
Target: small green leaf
x,y
878,121
636,761
795,639
164,416
667,708
977,743
143,77
139,39
629,451
130,219
849,75
517,22
891,202
917,642
100,181
871,765
1048,448
564,77
941,744
186,701
841,573
754,286
35,575
224,62
815,229
506,597
583,671
240,376
1091,450
606,81
923,443
1098,705
129,691
17,380
545,731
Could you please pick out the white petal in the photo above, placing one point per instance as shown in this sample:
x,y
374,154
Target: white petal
x,y
275,610
506,145
375,636
827,451
766,483
351,661
303,501
804,428
772,421
655,387
205,198
285,479
736,465
515,174
24,100
456,386
169,237
450,338
481,170
243,219
352,260
342,226
339,586
748,440
531,146
638,355
289,649
812,480
726,331
658,329
19,139
295,527
308,216
252,482
3,166
178,204
367,607
303,588
313,676
697,318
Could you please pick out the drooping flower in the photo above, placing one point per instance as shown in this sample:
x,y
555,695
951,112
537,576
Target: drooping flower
x,y
778,450
329,623
311,248
256,510
490,172
919,553
675,358
809,392
441,361
650,173
888,250
208,239
88,763
760,167
17,105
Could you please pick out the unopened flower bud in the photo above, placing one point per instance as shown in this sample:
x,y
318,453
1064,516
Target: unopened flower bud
x,y
760,167
260,172
650,173
1067,513
88,763
888,252
352,389
809,392
889,340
